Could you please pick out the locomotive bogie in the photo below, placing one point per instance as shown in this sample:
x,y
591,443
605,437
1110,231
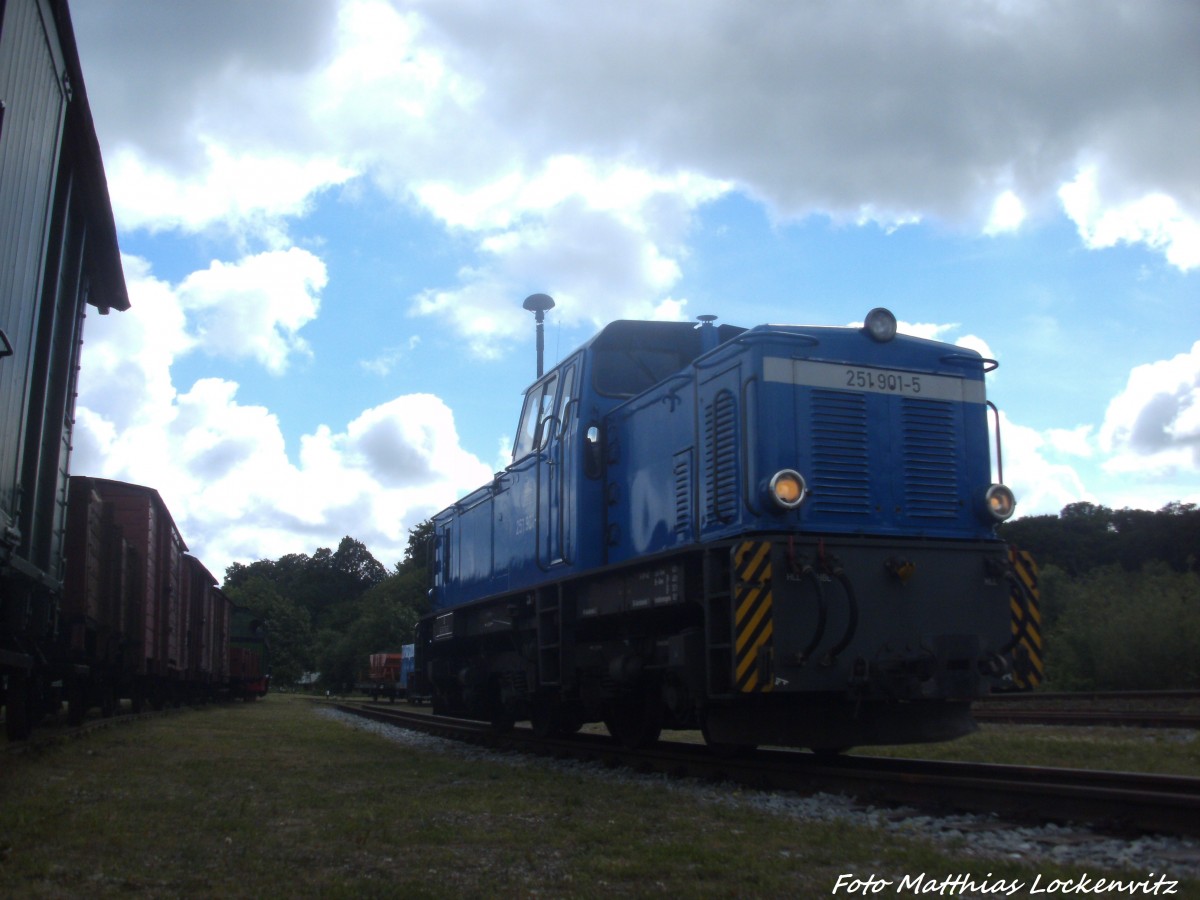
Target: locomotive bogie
x,y
826,641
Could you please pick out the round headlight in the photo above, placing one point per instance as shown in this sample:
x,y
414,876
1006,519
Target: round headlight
x,y
787,488
1001,503
880,324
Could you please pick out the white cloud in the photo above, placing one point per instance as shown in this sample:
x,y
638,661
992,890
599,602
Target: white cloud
x,y
929,330
571,151
1146,453
1153,426
1042,482
508,121
1008,212
245,194
1078,441
1155,219
222,465
605,244
255,308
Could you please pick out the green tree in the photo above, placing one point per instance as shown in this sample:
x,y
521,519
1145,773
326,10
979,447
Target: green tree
x,y
384,619
416,554
1122,630
322,583
1085,537
289,627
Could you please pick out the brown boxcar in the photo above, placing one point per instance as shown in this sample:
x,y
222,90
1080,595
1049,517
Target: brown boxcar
x,y
96,592
154,621
208,629
222,611
140,617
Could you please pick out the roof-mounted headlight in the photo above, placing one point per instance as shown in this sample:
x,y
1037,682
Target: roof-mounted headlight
x,y
1000,502
880,324
787,488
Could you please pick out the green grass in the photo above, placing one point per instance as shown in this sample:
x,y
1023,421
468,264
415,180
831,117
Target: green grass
x,y
271,800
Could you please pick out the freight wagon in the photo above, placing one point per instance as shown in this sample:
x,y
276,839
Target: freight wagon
x,y
388,674
58,257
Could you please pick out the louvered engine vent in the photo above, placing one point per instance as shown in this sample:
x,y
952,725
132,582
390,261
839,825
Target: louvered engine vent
x,y
721,458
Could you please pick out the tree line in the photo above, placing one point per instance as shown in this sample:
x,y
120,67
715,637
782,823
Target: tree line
x,y
327,613
1120,595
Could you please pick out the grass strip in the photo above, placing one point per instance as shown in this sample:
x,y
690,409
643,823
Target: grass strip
x,y
271,800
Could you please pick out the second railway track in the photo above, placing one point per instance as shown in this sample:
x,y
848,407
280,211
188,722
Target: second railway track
x,y
1109,801
1129,709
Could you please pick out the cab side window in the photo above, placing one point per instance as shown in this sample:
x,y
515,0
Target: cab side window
x,y
539,405
566,395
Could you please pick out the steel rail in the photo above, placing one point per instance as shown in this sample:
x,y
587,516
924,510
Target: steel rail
x,y
53,733
1114,717
1083,696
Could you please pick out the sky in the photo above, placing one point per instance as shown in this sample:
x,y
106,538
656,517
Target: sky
x,y
330,213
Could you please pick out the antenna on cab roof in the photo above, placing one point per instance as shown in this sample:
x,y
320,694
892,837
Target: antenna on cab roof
x,y
538,304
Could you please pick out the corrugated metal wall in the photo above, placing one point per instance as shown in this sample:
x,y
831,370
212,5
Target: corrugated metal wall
x,y
31,88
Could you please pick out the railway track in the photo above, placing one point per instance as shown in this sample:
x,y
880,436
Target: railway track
x,y
1132,709
1108,801
1118,718
55,730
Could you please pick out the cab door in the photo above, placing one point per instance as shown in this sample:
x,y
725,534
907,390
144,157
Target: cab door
x,y
558,470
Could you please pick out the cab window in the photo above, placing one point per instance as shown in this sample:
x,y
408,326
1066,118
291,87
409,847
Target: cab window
x,y
539,405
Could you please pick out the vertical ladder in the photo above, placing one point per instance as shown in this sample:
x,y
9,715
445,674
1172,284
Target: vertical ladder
x,y
549,619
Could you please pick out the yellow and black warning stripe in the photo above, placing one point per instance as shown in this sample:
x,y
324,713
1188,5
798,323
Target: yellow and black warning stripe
x,y
1025,605
752,625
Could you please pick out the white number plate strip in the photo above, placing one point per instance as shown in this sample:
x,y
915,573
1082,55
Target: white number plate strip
x,y
839,376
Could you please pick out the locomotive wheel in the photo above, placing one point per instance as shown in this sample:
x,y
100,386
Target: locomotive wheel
x,y
550,719
725,750
16,709
828,754
501,719
108,700
76,702
636,721
541,717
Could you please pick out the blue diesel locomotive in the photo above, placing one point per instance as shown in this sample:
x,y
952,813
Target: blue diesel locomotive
x,y
783,535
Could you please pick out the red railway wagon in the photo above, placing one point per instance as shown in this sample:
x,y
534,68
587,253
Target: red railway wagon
x,y
206,610
385,676
97,591
154,620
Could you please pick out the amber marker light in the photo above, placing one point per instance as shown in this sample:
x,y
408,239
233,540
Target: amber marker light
x,y
787,488
1001,503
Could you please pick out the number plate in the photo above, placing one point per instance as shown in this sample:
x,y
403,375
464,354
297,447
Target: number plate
x,y
839,376
883,381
